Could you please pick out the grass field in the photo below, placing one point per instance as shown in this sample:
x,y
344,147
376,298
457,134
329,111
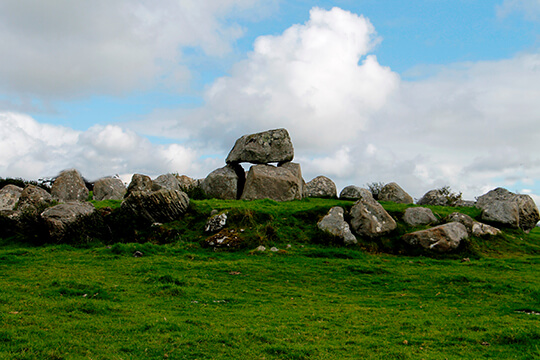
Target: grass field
x,y
313,300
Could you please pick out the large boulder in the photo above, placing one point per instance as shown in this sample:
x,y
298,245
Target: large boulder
x,y
263,148
368,218
158,206
166,181
352,192
473,227
69,186
335,224
9,197
34,200
139,182
281,183
434,198
393,192
224,183
109,189
186,183
506,208
415,216
74,220
321,187
442,238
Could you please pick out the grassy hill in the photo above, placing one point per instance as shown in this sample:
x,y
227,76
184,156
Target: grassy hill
x,y
316,299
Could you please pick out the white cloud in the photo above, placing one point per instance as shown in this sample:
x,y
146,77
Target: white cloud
x,y
529,8
60,49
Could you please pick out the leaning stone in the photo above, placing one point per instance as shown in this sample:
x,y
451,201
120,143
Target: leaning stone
x,y
335,224
139,182
368,218
69,186
216,222
9,197
352,192
321,187
159,206
415,216
166,181
282,183
442,238
34,200
224,183
263,148
109,189
393,192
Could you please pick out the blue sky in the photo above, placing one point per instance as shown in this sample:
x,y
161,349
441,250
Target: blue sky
x,y
425,93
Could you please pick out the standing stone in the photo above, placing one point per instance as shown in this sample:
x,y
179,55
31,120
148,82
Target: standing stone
x,y
368,218
434,198
282,183
9,197
321,187
166,181
335,224
159,206
352,192
415,216
69,186
139,182
34,200
393,192
109,189
442,238
224,183
186,183
263,148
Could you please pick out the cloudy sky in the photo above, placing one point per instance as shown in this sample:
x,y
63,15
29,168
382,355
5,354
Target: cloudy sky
x,y
424,93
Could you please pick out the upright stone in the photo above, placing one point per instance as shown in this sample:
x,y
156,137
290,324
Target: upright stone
x,y
393,192
139,182
166,181
263,148
368,218
352,192
281,183
109,189
69,186
335,224
224,183
9,197
321,187
34,200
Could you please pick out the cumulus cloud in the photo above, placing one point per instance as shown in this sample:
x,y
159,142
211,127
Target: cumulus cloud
x,y
32,150
529,8
60,49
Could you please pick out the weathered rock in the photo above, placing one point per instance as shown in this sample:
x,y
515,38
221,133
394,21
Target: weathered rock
x,y
434,198
166,181
282,183
158,206
321,187
225,239
442,238
9,197
461,218
509,209
263,148
352,192
216,222
69,186
473,227
415,216
139,182
368,218
393,192
34,200
73,220
186,183
109,189
224,183
334,223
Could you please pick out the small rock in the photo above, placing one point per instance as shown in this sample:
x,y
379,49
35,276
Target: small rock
x,y
274,249
216,222
137,254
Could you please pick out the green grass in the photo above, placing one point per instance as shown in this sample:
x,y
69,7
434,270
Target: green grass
x,y
314,300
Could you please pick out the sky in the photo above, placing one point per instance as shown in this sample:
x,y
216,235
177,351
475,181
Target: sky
x,y
425,93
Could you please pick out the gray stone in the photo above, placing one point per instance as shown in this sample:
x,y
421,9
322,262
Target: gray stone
x,y
434,198
34,200
415,216
9,197
335,224
263,148
186,183
224,183
69,186
473,227
216,222
368,218
321,187
139,182
109,189
393,192
73,220
159,206
166,181
352,192
442,238
282,183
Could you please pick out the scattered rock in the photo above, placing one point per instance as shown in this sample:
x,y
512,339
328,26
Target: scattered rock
x,y
442,238
368,218
9,197
138,254
393,192
223,183
73,220
159,206
263,148
281,183
335,224
109,189
166,181
139,182
34,200
352,192
415,216
69,186
216,222
434,198
321,187
274,249
473,227
225,239
260,248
